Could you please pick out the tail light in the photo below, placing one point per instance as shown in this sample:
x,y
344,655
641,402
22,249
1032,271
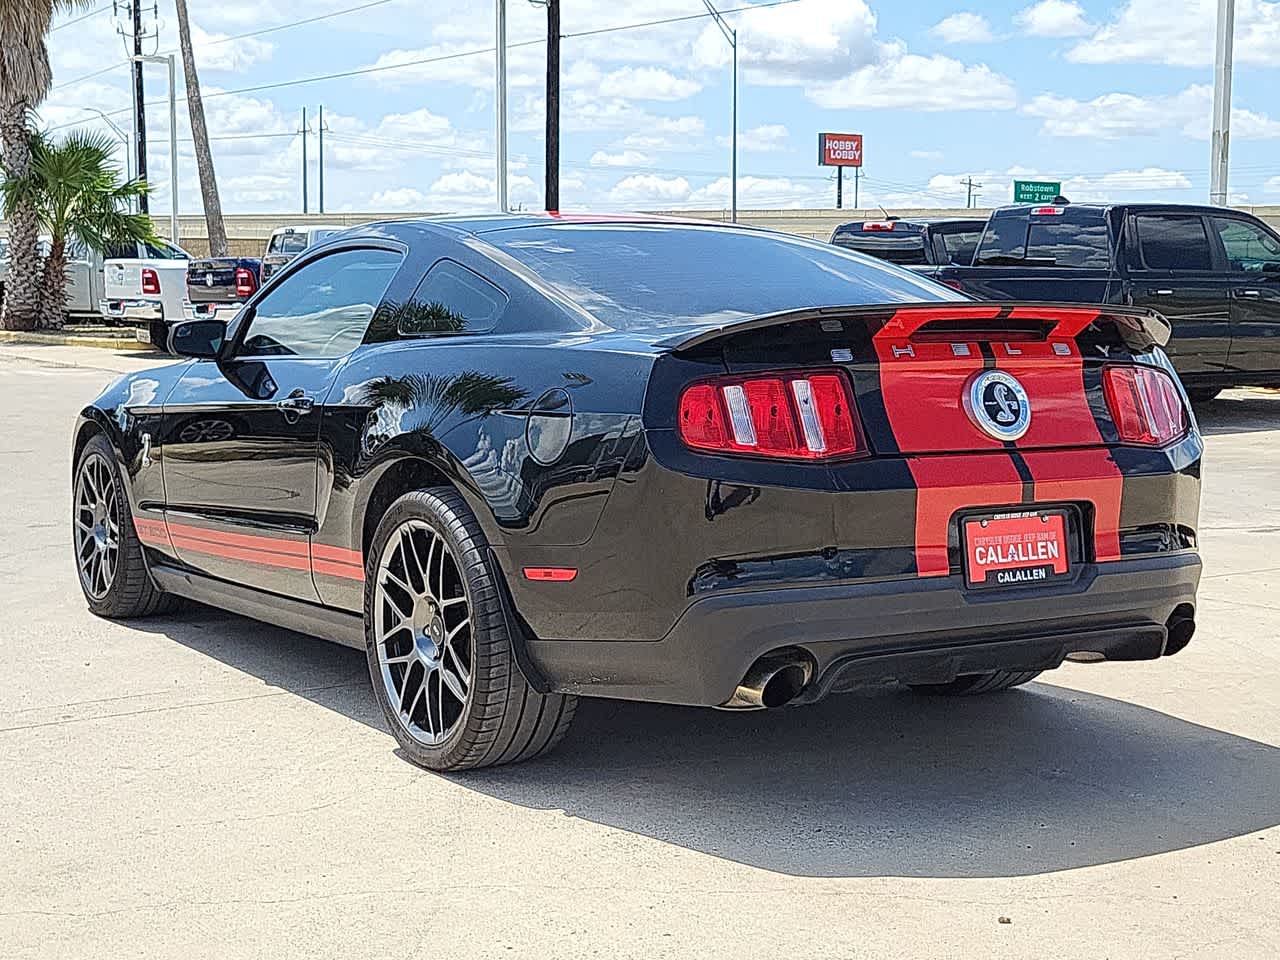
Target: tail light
x,y
245,282
1145,405
150,282
1047,211
807,416
878,226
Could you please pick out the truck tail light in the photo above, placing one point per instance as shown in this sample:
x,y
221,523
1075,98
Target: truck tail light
x,y
794,416
1047,211
877,226
1145,405
150,282
245,282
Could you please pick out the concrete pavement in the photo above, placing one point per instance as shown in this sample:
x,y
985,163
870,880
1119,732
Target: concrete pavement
x,y
206,786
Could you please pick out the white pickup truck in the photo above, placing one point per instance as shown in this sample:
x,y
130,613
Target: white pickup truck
x,y
146,287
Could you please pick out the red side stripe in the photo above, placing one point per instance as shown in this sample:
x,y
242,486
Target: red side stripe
x,y
339,554
153,532
345,570
297,548
947,484
232,552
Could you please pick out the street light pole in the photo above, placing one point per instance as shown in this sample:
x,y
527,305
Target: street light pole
x,y
173,140
500,100
731,35
1220,143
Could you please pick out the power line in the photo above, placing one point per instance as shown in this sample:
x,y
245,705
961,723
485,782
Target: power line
x,y
80,19
442,58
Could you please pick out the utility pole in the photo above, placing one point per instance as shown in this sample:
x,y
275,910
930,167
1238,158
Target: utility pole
x,y
553,106
857,177
303,131
320,134
970,183
839,188
500,99
133,36
1220,142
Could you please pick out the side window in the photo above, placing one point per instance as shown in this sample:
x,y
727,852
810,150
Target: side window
x,y
1250,249
322,309
1177,243
450,300
959,246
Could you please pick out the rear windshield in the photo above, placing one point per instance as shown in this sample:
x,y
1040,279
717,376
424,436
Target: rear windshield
x,y
642,276
960,246
896,246
288,243
1045,242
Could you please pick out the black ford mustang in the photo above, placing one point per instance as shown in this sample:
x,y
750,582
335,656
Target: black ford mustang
x,y
518,459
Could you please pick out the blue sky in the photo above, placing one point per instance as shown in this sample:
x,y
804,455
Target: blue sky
x,y
1113,98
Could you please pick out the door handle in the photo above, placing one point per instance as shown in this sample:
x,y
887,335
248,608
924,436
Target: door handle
x,y
1162,292
1249,294
296,404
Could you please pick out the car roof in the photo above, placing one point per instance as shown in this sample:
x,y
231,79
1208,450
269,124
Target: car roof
x,y
1024,209
915,221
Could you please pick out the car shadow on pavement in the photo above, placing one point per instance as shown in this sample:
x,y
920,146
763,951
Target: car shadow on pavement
x,y
1034,780
1239,412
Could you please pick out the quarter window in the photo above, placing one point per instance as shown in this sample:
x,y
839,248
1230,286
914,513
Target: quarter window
x,y
1173,243
450,300
1250,249
322,309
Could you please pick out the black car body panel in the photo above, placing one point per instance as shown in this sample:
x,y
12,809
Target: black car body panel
x,y
1213,272
256,478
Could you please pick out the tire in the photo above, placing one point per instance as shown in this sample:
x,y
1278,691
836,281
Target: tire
x,y
421,644
125,590
1203,394
158,331
973,684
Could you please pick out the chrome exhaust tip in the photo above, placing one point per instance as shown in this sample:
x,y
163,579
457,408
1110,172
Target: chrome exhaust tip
x,y
773,681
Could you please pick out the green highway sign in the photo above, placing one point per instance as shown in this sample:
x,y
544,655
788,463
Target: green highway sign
x,y
1035,191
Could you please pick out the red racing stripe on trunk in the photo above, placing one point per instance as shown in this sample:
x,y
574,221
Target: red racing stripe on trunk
x,y
1083,475
955,482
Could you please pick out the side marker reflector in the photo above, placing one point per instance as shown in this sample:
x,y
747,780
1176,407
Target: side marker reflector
x,y
553,574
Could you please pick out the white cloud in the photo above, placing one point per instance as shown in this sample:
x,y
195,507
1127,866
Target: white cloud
x,y
647,189
400,198
926,154
1114,116
1053,18
819,40
1181,33
913,82
214,51
647,83
1272,185
963,27
627,158
767,138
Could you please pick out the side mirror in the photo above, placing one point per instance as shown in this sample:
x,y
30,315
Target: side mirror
x,y
201,339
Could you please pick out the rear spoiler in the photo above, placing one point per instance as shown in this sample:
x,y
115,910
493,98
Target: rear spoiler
x,y
1139,329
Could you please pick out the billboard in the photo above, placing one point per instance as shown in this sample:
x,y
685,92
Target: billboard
x,y
839,149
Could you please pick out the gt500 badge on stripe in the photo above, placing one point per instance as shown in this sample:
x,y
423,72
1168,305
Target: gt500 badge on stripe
x,y
1015,550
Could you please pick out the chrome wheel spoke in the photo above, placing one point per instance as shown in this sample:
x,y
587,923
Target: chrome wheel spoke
x,y
423,651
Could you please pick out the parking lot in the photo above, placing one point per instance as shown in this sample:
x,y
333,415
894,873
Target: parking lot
x,y
204,785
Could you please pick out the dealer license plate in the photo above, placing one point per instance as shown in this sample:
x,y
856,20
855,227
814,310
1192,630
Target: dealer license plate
x,y
1015,549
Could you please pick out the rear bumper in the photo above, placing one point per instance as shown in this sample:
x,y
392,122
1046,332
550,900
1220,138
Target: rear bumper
x,y
920,630
142,311
211,311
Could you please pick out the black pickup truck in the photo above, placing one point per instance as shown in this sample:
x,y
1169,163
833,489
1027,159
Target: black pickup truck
x,y
1213,272
917,244
217,287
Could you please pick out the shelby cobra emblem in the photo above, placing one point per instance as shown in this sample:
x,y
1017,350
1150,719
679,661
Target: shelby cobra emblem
x,y
998,404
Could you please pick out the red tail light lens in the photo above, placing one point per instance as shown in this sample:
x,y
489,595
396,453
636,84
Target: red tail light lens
x,y
785,416
1145,405
150,282
245,282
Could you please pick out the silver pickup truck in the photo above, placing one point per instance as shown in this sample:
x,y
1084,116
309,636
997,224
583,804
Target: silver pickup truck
x,y
84,277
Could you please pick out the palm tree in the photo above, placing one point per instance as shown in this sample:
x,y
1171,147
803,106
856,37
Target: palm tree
x,y
25,78
75,192
200,134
